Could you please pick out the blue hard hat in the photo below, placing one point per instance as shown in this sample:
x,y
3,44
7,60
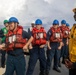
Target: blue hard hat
x,y
38,22
55,22
67,24
63,22
13,19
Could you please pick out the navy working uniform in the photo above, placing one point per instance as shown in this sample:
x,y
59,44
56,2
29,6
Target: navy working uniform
x,y
54,39
37,52
65,32
16,60
15,41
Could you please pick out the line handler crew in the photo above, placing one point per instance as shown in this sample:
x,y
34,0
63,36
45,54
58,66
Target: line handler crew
x,y
37,52
15,43
54,46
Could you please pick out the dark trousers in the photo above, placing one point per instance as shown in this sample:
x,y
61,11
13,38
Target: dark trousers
x,y
64,50
53,53
64,53
35,54
72,72
15,63
3,58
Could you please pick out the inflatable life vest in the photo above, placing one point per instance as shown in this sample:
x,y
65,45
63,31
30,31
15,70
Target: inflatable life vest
x,y
56,35
39,36
65,31
15,39
68,30
72,44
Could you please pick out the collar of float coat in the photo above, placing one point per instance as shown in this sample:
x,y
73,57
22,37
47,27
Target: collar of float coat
x,y
19,27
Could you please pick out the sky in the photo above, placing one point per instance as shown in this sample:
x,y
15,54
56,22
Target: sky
x,y
29,10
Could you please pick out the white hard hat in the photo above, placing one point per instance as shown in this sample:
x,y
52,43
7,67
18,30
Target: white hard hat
x,y
33,22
